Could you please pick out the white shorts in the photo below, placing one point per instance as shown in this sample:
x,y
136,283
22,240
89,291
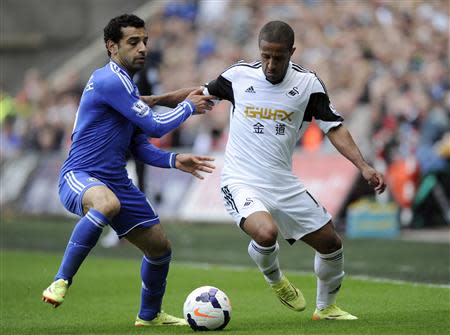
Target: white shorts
x,y
296,213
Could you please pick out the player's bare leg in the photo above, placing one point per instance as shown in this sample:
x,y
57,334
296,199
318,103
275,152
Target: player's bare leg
x,y
263,249
329,269
154,269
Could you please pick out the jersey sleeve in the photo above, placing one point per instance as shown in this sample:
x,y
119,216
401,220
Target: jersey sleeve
x,y
320,108
147,153
221,88
117,94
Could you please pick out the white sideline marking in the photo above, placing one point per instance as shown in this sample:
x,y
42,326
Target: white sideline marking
x,y
308,273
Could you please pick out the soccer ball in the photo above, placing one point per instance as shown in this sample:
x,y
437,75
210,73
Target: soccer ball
x,y
207,308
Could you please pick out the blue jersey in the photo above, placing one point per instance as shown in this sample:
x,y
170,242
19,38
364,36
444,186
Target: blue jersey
x,y
112,121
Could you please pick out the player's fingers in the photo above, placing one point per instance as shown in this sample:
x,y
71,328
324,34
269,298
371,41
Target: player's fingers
x,y
378,183
203,107
208,165
373,181
208,97
379,178
206,158
198,91
196,160
380,188
201,166
197,175
207,105
205,169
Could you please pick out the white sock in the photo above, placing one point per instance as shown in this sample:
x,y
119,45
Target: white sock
x,y
329,269
266,258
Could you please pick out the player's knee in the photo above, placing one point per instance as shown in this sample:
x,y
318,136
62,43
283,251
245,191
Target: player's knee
x,y
165,246
334,243
159,249
331,244
266,235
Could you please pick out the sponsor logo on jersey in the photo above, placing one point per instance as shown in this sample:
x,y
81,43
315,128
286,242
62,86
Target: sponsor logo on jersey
x,y
267,114
92,179
250,90
292,93
141,108
280,129
258,128
248,202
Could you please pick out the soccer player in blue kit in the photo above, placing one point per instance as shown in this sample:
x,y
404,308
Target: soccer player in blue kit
x,y
112,120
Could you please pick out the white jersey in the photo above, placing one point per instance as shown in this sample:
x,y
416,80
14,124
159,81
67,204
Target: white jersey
x,y
266,121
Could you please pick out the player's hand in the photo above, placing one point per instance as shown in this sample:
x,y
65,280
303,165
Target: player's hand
x,y
374,178
193,164
150,100
203,103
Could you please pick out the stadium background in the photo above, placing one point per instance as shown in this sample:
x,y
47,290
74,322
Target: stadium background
x,y
385,64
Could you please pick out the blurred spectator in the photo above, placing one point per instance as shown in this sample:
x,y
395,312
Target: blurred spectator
x,y
183,9
9,139
7,108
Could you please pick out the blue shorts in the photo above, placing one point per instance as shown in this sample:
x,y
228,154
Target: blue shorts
x,y
135,209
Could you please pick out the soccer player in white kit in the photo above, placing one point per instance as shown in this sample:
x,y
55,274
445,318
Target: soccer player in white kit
x,y
273,101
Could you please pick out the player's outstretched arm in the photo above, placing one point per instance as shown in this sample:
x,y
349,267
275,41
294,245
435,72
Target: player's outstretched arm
x,y
147,153
169,99
151,155
118,94
193,164
341,138
202,103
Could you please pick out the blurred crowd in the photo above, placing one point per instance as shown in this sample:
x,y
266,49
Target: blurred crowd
x,y
391,56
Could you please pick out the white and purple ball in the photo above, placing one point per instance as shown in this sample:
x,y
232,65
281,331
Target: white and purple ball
x,y
207,308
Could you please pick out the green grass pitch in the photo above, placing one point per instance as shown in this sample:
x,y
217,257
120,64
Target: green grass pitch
x,y
104,299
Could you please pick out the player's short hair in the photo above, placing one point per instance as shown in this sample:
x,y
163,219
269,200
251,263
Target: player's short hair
x,y
277,32
113,30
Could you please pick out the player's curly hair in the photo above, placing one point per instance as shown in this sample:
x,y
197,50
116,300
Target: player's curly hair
x,y
277,32
113,31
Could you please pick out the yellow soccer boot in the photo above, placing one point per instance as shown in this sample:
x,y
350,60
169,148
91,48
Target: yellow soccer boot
x,y
289,295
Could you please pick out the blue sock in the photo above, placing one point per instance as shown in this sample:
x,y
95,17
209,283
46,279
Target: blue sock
x,y
153,273
84,237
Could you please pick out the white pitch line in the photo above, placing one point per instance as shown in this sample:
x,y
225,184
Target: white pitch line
x,y
238,268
